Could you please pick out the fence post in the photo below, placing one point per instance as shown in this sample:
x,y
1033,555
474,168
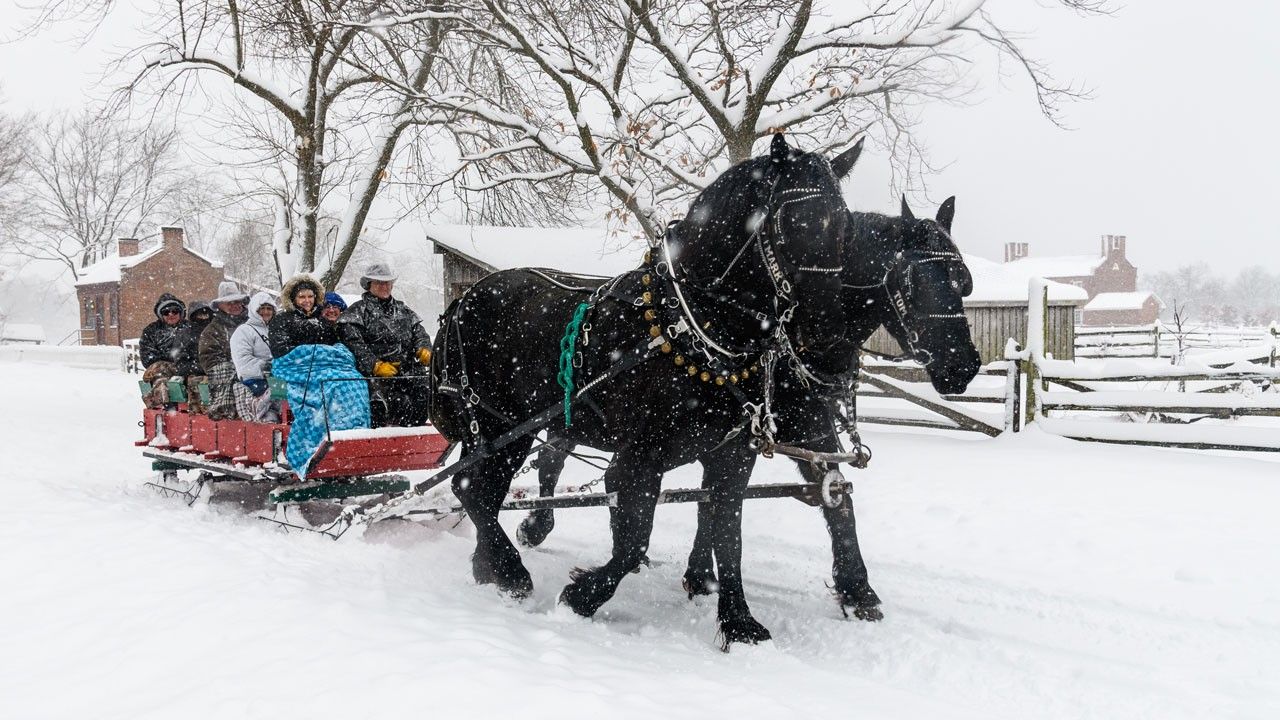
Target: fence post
x,y
1013,387
1155,331
1274,329
1037,340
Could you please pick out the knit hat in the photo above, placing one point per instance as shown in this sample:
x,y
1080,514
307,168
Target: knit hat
x,y
166,301
229,292
377,271
334,299
199,306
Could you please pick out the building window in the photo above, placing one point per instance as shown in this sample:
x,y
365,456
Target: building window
x,y
86,321
114,310
1079,316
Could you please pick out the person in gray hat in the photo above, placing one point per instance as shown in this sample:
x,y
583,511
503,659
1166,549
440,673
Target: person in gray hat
x,y
215,349
391,348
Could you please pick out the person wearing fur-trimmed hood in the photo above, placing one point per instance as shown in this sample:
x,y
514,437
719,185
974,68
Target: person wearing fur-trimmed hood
x,y
298,322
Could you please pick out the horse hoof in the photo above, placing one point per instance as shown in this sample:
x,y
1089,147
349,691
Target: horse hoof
x,y
517,588
699,582
576,598
535,528
745,630
869,613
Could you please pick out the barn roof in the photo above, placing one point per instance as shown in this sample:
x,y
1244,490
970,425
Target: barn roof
x,y
1121,300
588,251
1007,283
1058,267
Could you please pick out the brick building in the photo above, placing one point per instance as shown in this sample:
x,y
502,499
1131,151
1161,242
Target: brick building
x,y
117,295
1110,280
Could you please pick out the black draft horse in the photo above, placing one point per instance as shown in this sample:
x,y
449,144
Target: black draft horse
x,y
657,363
905,273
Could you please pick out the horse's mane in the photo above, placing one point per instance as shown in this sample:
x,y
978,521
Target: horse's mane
x,y
740,189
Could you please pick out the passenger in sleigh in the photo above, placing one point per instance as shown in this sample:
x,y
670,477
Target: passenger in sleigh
x,y
300,320
200,314
215,349
391,348
166,349
251,354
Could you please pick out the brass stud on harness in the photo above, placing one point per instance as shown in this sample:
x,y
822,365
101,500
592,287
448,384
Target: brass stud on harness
x,y
648,257
734,378
646,297
655,331
693,369
705,376
646,279
666,348
650,314
719,379
679,359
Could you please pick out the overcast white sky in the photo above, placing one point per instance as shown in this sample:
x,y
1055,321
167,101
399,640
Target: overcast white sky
x,y
1178,150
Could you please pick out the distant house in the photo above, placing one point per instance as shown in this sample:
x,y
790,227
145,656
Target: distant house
x,y
1140,307
1109,273
12,333
473,251
997,312
117,295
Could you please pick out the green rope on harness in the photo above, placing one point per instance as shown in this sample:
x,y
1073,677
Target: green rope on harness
x,y
567,343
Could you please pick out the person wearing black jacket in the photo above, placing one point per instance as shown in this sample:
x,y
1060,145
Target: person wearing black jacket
x,y
299,321
392,348
168,339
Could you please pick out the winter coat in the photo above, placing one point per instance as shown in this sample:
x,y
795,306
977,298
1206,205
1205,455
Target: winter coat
x,y
249,348
292,327
386,330
169,343
215,340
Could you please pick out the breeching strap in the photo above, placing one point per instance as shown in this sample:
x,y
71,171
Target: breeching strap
x,y
567,344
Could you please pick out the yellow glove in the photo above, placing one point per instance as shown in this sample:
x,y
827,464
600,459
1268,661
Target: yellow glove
x,y
424,356
385,369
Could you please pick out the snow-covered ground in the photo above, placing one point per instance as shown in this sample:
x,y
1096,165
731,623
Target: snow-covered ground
x,y
1023,577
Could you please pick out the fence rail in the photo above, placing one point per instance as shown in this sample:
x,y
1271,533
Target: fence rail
x,y
1161,340
1121,401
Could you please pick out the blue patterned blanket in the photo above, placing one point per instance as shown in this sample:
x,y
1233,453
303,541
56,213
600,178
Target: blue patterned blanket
x,y
326,392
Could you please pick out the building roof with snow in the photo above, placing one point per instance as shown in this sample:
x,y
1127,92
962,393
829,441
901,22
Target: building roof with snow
x,y
1004,283
586,251
108,270
12,332
1058,267
1122,300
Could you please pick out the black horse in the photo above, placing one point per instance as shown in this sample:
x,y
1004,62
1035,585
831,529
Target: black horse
x,y
658,363
901,272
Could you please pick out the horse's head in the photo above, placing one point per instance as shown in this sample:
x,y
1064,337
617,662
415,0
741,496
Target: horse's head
x,y
925,280
767,236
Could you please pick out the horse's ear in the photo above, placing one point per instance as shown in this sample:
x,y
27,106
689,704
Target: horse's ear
x,y
947,213
845,160
906,210
778,149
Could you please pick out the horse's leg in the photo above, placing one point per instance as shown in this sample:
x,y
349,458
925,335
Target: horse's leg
x,y
727,472
482,491
537,525
631,522
700,573
852,587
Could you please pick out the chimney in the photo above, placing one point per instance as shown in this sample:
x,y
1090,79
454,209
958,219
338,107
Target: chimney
x,y
1113,246
127,247
1015,251
171,237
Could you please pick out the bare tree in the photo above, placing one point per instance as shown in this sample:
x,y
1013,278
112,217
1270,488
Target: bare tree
x,y
316,67
14,138
91,179
652,98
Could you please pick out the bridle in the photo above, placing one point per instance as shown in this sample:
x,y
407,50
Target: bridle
x,y
782,274
899,287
